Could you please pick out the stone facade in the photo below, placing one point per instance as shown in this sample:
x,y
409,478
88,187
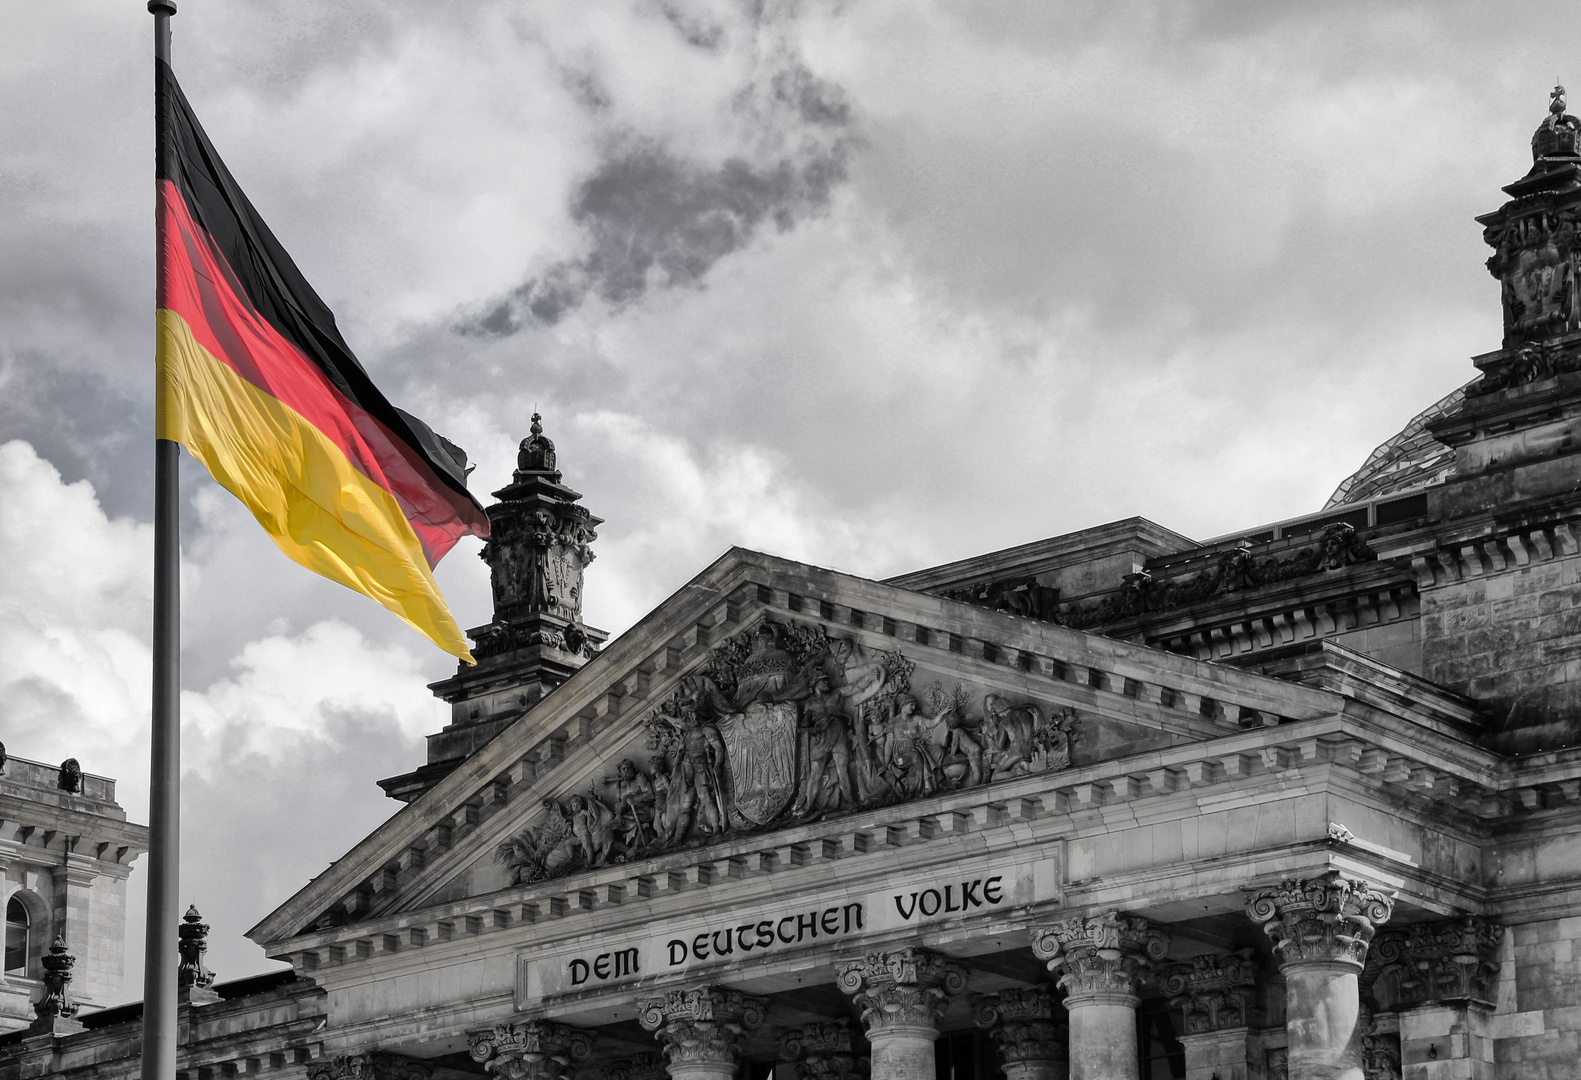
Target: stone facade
x,y
1296,804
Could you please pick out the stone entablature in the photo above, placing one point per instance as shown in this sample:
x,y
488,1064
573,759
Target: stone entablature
x,y
1188,706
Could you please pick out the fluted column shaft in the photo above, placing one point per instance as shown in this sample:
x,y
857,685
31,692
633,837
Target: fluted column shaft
x,y
702,1030
902,994
1099,961
1321,928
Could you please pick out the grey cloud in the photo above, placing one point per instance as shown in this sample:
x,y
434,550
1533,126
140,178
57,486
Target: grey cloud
x,y
83,424
653,218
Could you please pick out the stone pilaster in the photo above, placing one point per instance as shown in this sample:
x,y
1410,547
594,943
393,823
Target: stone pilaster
x,y
372,1065
702,1030
1099,961
1031,1046
1217,996
1438,977
821,1051
1320,928
535,1050
902,994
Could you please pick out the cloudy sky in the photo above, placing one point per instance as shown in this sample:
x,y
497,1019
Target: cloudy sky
x,y
873,284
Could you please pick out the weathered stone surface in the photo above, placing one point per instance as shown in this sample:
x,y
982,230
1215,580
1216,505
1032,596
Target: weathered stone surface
x,y
535,1050
901,995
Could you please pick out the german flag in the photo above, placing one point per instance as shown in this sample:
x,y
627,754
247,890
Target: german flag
x,y
257,383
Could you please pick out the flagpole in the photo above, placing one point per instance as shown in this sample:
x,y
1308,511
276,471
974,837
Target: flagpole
x,y
164,787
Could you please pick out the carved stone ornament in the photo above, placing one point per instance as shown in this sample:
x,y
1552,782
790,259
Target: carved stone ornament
x,y
705,1026
70,779
1100,957
909,987
785,724
1380,1056
1329,918
193,944
535,1050
1238,570
1214,991
1434,962
646,1066
57,964
538,547
824,1051
828,1037
1278,1063
1022,1025
373,1065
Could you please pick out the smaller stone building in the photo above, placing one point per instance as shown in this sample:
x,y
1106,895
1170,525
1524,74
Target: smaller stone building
x,y
66,850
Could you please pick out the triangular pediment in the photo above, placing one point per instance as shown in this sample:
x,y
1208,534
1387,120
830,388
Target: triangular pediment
x,y
763,696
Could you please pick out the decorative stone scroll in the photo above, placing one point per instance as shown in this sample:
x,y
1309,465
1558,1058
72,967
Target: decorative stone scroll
x,y
1328,918
535,1050
1214,991
1435,962
824,1051
786,724
906,988
702,1030
1100,956
55,1012
1023,1027
372,1065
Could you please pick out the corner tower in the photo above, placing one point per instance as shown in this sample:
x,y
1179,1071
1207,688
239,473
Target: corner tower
x,y
539,547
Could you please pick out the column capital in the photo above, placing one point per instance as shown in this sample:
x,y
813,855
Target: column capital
x,y
1448,960
535,1050
370,1065
905,988
823,1050
1329,918
1214,991
703,1026
1022,1024
824,1037
645,1066
1100,958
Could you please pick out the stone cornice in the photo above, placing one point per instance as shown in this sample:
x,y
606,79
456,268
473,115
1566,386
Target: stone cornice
x,y
1407,761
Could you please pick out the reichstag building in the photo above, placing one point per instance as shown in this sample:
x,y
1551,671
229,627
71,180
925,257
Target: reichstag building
x,y
1298,803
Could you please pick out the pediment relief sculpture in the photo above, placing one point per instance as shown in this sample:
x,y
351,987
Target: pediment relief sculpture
x,y
785,724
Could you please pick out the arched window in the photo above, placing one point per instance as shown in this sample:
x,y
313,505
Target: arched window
x,y
17,926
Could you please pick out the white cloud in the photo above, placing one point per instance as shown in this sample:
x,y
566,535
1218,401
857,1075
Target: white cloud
x,y
279,754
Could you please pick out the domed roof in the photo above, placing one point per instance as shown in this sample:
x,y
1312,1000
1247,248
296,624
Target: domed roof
x,y
1411,459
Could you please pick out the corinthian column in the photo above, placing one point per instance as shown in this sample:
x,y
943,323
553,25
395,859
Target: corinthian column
x,y
1099,961
536,1050
902,994
1216,994
702,1030
1320,928
1021,1022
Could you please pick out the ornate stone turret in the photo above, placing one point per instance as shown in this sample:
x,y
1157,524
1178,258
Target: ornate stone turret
x,y
539,547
